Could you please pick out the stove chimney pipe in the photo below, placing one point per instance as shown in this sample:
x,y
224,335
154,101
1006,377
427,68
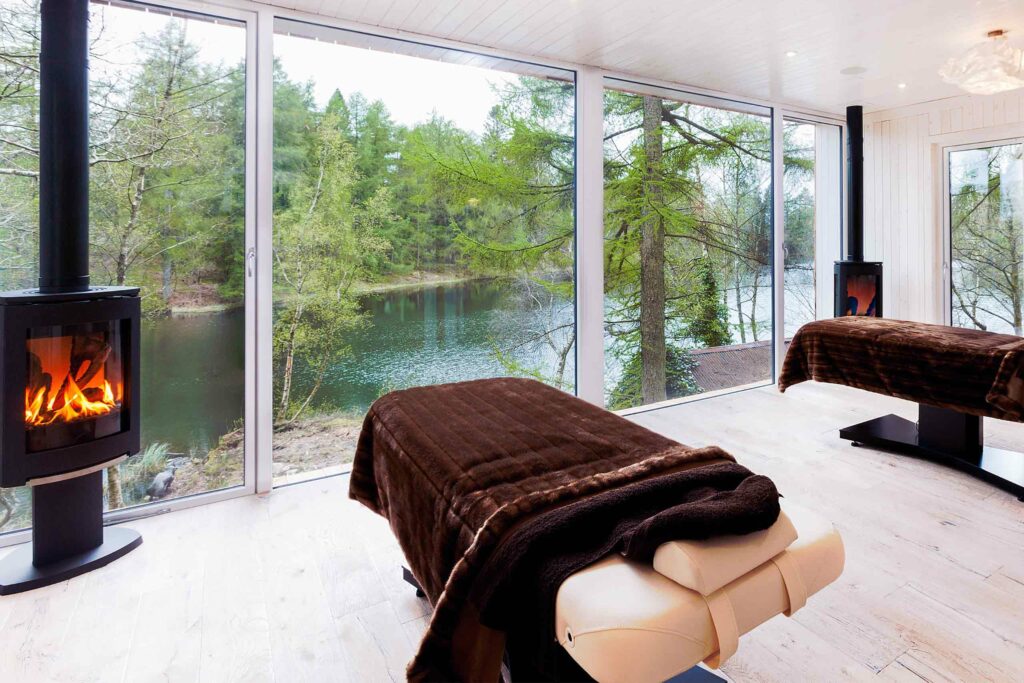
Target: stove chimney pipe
x,y
64,146
855,183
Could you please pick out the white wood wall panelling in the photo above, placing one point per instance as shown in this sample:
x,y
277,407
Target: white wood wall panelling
x,y
448,17
903,193
828,207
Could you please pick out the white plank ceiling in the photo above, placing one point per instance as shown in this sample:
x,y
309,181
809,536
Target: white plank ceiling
x,y
734,46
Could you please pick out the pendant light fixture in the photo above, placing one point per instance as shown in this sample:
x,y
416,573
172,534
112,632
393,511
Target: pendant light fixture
x,y
990,67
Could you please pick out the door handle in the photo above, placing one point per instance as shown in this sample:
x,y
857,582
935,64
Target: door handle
x,y
250,261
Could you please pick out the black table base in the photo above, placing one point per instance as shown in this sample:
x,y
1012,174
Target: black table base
x,y
947,437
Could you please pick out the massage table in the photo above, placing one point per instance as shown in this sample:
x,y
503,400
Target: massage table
x,y
626,622
517,505
957,376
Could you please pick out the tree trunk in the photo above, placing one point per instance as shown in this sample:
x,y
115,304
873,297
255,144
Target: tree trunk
x,y
739,302
289,359
114,499
753,308
1015,296
652,261
167,269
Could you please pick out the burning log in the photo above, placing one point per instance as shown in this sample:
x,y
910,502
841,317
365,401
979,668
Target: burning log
x,y
92,348
85,348
73,400
39,383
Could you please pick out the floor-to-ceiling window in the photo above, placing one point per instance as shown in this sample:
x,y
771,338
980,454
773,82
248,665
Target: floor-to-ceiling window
x,y
812,201
167,213
688,245
423,229
986,236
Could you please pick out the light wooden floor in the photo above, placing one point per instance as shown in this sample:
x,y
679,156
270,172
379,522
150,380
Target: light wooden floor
x,y
304,585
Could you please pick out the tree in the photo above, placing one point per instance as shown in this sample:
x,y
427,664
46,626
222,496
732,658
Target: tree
x,y
19,143
155,170
686,200
322,243
502,205
706,315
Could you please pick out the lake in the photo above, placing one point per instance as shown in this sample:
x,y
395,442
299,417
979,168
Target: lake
x,y
193,367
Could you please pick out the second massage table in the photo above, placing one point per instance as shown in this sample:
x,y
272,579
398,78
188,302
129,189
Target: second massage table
x,y
957,376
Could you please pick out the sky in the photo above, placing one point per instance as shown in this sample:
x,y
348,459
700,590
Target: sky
x,y
412,88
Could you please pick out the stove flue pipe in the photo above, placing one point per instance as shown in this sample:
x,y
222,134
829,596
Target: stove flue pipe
x,y
855,183
64,146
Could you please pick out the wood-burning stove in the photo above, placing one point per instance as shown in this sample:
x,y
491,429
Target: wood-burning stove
x,y
69,353
858,287
69,376
858,283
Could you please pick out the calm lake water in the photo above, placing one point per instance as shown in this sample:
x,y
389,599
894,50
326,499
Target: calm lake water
x,y
192,371
193,379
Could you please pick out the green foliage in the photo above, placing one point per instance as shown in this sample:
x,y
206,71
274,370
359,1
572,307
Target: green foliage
x,y
136,474
323,244
706,315
19,156
358,198
147,464
680,366
697,180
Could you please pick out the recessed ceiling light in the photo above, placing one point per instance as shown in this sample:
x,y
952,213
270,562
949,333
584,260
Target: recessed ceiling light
x,y
791,53
901,86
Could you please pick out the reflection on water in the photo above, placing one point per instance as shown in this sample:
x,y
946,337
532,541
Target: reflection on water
x,y
193,368
193,379
447,333
193,388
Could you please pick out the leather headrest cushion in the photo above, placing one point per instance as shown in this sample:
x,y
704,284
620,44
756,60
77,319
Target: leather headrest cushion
x,y
705,566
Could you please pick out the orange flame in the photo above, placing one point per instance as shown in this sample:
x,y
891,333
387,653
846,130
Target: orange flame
x,y
76,405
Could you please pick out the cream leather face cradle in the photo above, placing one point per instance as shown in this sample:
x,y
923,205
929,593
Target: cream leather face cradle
x,y
622,621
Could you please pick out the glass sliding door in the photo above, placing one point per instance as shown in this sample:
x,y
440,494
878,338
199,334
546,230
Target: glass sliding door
x,y
986,236
423,229
812,190
167,213
19,187
688,245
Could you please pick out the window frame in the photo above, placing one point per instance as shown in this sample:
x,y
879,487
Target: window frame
x,y
259,20
247,18
969,142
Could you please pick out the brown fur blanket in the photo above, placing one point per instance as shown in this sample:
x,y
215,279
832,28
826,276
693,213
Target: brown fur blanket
x,y
458,469
972,371
519,583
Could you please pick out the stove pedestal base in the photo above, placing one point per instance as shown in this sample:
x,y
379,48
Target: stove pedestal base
x,y
18,574
68,537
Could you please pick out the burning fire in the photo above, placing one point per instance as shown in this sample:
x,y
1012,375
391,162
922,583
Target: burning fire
x,y
76,404
84,393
